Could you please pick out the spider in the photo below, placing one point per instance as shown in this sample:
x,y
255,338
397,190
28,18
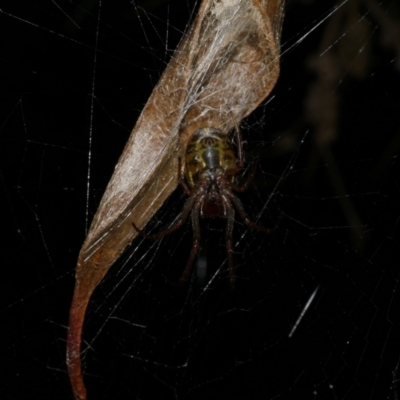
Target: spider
x,y
211,168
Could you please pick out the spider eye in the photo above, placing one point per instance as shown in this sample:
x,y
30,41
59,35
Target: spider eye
x,y
209,141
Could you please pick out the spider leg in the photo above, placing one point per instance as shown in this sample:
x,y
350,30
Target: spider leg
x,y
245,185
184,214
195,244
230,218
239,146
181,178
175,226
246,219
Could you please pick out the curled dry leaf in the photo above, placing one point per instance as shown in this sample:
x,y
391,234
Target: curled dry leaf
x,y
223,69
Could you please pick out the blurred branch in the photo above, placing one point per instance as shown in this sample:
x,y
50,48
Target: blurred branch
x,y
330,63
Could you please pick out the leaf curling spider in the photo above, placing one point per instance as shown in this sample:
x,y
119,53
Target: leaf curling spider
x,y
210,171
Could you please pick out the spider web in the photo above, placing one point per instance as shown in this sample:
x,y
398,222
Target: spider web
x,y
315,310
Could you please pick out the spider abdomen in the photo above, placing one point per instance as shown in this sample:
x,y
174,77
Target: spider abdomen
x,y
209,150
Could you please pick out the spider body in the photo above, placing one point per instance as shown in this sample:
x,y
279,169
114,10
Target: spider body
x,y
210,163
210,170
208,149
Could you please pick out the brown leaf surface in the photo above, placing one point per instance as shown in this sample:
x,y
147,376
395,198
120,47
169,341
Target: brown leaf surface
x,y
224,68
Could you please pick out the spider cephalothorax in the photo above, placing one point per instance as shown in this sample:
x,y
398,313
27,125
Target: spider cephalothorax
x,y
210,170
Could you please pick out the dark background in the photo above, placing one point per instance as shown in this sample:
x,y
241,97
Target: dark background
x,y
74,79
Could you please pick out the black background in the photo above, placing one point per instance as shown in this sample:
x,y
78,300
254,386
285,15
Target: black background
x,y
75,71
